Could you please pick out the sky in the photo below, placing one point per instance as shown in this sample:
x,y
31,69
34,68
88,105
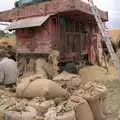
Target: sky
x,y
112,6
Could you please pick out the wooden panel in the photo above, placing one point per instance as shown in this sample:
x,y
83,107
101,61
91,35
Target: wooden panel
x,y
37,42
74,38
55,29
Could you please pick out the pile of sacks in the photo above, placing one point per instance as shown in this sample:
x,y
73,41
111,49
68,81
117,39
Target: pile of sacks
x,y
47,66
62,98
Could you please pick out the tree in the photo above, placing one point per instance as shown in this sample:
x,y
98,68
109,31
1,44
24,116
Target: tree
x,y
2,34
118,41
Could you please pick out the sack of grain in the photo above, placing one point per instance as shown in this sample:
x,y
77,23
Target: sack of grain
x,y
22,66
51,67
66,116
12,115
81,108
1,115
39,88
31,66
94,94
97,108
35,103
91,91
40,62
68,80
51,114
92,73
44,106
51,70
31,78
29,114
39,67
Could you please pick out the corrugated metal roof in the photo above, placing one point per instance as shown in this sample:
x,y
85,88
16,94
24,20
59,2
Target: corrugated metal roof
x,y
28,22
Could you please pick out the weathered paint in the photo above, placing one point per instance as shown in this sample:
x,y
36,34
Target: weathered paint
x,y
34,40
71,41
53,7
28,22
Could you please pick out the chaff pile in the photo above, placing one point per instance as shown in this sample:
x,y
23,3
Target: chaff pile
x,y
43,94
38,98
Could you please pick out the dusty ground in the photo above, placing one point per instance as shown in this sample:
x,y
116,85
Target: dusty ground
x,y
112,101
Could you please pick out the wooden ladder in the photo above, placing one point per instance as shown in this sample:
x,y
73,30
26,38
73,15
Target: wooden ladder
x,y
104,34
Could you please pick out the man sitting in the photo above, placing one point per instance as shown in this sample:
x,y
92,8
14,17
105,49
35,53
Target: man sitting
x,y
8,70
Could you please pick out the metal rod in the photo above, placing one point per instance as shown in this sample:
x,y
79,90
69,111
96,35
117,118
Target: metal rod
x,y
4,24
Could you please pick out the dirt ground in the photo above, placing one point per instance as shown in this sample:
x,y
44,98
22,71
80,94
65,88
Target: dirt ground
x,y
112,101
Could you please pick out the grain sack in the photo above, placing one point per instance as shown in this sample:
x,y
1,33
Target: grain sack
x,y
32,78
44,106
96,73
81,108
68,80
1,115
40,88
51,67
40,62
51,114
94,94
67,116
29,114
31,66
50,70
35,103
39,67
12,115
1,91
91,91
97,108
22,66
54,57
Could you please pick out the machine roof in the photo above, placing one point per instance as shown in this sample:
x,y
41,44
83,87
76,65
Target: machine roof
x,y
28,22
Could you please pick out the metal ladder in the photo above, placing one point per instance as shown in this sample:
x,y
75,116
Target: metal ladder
x,y
104,34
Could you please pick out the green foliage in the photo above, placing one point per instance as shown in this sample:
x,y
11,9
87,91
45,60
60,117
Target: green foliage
x,y
2,34
5,34
118,40
22,3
